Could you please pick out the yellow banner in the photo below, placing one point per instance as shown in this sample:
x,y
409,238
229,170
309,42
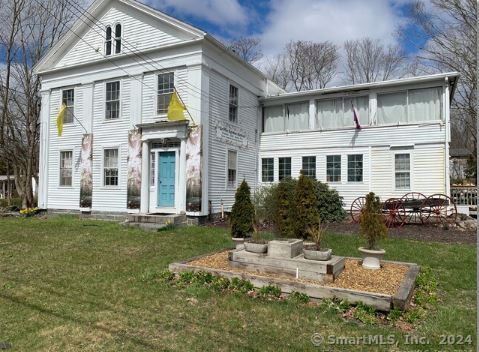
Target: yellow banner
x,y
60,117
176,108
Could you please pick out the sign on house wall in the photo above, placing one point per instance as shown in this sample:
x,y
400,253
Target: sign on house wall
x,y
86,176
193,170
230,134
134,170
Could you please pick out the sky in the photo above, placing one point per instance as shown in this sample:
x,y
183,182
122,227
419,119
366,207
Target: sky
x,y
276,22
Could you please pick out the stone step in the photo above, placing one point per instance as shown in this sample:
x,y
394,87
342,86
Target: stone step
x,y
173,219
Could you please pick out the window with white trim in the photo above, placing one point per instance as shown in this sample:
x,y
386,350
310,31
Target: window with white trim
x,y
402,171
118,38
166,87
108,41
68,99
333,168
284,168
355,168
66,166
232,166
267,169
110,167
309,166
112,100
233,104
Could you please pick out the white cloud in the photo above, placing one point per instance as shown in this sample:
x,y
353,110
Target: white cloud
x,y
219,12
333,20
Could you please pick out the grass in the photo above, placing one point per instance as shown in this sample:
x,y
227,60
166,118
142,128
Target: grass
x,y
70,285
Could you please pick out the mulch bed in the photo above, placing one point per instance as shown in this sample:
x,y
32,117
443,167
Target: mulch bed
x,y
385,281
427,233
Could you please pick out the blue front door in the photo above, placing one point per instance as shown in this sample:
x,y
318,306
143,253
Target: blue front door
x,y
166,179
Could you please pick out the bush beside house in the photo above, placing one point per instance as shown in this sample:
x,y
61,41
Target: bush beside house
x,y
242,213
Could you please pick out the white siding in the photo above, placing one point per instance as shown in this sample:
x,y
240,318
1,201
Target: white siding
x,y
377,145
218,150
140,32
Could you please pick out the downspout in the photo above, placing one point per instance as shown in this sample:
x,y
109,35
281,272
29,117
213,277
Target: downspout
x,y
448,127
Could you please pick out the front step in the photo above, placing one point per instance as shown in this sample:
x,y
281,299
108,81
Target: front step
x,y
155,219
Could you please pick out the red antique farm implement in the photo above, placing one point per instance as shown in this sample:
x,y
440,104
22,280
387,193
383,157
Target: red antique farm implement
x,y
412,208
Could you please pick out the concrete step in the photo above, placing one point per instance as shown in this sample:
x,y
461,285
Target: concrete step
x,y
145,225
157,219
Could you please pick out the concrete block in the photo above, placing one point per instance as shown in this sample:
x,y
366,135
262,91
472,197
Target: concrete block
x,y
288,248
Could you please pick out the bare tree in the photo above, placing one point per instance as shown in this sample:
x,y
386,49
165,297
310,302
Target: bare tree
x,y
27,30
369,61
451,26
247,48
304,65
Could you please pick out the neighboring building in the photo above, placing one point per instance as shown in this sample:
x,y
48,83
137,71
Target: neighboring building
x,y
119,153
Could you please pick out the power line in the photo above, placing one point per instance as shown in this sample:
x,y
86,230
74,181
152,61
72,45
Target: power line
x,y
94,20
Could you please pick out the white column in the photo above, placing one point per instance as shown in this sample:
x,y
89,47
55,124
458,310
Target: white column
x,y
182,178
44,150
145,178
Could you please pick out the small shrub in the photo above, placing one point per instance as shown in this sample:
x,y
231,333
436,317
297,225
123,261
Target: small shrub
x,y
284,218
202,278
317,232
185,277
241,285
220,283
329,203
305,211
372,226
242,213
265,204
269,291
298,297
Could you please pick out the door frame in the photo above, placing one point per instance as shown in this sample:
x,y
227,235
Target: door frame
x,y
154,205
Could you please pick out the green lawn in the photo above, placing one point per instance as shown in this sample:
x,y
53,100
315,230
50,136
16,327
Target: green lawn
x,y
70,285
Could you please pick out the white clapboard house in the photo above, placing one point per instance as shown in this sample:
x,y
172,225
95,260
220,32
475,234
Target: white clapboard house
x,y
116,71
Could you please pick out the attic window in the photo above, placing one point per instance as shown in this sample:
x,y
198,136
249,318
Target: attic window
x,y
117,38
108,41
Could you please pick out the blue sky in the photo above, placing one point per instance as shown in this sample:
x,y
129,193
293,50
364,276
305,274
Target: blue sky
x,y
276,22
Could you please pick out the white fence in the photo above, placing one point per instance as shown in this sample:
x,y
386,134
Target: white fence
x,y
464,195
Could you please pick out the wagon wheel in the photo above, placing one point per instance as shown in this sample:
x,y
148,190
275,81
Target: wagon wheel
x,y
394,212
357,207
413,203
442,209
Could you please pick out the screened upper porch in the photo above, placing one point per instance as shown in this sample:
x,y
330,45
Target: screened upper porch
x,y
407,106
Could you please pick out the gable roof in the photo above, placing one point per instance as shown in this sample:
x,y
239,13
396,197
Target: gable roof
x,y
83,22
98,5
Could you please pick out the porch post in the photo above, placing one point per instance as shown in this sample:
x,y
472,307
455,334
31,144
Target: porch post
x,y
182,178
145,178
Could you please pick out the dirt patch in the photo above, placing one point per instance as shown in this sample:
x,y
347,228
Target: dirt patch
x,y
386,280
427,233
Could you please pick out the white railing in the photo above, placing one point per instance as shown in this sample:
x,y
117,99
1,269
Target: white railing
x,y
464,195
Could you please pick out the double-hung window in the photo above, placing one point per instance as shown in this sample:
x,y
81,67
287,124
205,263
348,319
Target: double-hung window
x,y
267,169
284,168
355,168
68,99
402,171
112,100
233,104
166,87
66,158
333,168
110,167
309,166
232,167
